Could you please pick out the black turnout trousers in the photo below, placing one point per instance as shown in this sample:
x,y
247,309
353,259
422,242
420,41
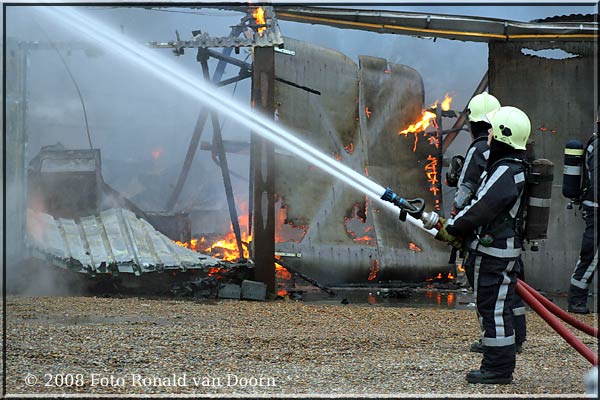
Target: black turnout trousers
x,y
494,282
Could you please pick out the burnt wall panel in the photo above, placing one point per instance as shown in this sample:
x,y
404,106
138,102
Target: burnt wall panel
x,y
558,97
354,114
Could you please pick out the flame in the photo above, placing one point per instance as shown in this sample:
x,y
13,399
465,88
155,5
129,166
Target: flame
x,y
442,277
356,224
156,154
460,268
414,247
349,148
286,230
283,279
433,140
373,269
431,174
446,102
223,247
426,120
421,124
367,112
259,17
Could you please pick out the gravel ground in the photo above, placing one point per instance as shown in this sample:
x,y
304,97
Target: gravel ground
x,y
302,349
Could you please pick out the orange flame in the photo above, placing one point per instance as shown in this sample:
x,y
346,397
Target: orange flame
x,y
414,247
446,102
156,154
224,247
349,148
259,17
373,269
286,230
431,173
367,112
357,222
426,119
283,279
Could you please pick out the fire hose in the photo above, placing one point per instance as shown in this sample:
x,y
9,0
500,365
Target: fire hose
x,y
560,313
543,312
542,306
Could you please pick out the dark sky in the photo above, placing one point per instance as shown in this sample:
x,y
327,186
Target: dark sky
x,y
132,114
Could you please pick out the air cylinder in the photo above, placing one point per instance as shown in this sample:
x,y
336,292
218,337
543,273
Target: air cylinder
x,y
571,187
539,189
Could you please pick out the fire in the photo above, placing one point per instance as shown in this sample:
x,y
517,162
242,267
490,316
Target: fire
x,y
421,124
349,148
283,279
259,17
431,174
285,230
442,277
223,247
414,247
426,119
156,154
373,269
367,112
446,102
434,141
356,225
460,268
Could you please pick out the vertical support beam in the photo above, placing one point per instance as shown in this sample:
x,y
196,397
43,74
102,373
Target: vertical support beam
x,y
460,121
439,205
263,154
16,147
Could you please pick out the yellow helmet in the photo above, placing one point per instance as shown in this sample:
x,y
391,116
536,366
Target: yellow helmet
x,y
481,105
511,126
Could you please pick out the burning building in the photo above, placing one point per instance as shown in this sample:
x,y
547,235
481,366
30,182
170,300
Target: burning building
x,y
369,116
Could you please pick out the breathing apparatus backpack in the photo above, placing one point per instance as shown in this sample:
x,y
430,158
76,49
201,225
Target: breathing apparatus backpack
x,y
572,171
575,177
531,221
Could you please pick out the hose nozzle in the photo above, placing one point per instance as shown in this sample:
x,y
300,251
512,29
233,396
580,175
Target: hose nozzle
x,y
413,207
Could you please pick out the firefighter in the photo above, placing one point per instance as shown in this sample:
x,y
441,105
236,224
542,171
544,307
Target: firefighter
x,y
588,256
474,164
489,226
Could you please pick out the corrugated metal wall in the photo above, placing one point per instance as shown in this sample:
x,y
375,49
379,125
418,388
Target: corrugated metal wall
x,y
558,97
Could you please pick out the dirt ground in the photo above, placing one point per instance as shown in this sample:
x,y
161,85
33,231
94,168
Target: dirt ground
x,y
144,345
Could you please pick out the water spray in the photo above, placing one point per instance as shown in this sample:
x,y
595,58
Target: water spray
x,y
173,74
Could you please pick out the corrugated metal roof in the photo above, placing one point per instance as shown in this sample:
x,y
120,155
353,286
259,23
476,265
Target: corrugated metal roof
x,y
115,240
455,27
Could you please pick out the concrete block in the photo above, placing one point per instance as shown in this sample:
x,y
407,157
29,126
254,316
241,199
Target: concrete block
x,y
230,291
254,290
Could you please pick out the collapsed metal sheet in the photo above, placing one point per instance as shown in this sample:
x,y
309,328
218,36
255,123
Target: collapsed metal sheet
x,y
345,242
114,241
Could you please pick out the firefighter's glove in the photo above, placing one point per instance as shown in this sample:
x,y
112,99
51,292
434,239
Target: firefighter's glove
x,y
444,236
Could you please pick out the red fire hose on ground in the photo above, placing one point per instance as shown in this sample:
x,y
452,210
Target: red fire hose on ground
x,y
560,313
527,294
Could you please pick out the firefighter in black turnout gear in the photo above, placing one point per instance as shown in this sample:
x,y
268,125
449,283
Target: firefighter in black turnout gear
x,y
490,228
475,163
588,256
